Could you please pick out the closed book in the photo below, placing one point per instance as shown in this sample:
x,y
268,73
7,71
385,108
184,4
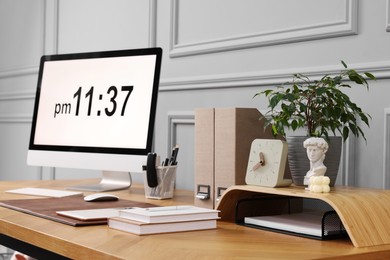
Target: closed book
x,y
141,228
168,214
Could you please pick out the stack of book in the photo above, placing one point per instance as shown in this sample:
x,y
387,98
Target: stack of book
x,y
142,221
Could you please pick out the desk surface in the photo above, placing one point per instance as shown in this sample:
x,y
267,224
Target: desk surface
x,y
226,242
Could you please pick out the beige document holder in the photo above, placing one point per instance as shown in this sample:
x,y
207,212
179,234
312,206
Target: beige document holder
x,y
204,157
223,138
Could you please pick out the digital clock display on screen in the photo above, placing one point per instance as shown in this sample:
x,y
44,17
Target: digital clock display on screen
x,y
90,102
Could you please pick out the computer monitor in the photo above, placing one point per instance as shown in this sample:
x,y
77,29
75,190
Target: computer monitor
x,y
96,110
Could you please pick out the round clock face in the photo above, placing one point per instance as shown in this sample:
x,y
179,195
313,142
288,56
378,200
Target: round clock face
x,y
265,161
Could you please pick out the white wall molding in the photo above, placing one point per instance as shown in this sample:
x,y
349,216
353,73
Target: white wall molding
x,y
17,118
181,129
21,69
17,95
152,23
175,119
347,162
388,16
18,72
386,149
379,69
50,34
25,70
344,27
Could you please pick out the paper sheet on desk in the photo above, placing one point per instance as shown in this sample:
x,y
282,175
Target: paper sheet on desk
x,y
44,192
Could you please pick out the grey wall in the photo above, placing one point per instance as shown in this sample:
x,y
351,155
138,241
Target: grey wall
x,y
217,53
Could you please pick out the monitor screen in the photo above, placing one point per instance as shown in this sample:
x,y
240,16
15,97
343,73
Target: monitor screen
x,y
95,110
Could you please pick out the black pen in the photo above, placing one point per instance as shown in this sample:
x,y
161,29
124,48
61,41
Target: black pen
x,y
165,162
175,151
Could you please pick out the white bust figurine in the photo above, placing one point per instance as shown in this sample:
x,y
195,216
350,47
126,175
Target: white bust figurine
x,y
316,148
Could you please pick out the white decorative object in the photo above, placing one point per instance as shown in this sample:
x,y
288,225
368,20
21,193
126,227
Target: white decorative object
x,y
316,149
319,184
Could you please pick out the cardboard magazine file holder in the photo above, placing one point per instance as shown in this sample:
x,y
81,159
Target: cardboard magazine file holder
x,y
223,138
166,176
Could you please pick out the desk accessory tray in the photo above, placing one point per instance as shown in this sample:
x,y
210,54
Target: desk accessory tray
x,y
363,211
289,217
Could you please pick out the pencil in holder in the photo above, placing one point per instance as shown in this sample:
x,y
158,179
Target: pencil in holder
x,y
166,176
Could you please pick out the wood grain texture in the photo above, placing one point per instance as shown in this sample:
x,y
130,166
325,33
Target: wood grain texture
x,y
364,212
228,241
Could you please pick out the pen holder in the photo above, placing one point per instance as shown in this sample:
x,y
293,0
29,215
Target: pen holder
x,y
166,176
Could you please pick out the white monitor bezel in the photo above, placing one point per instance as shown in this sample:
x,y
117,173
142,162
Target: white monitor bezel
x,y
98,158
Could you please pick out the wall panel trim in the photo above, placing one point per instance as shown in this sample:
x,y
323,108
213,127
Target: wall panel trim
x,y
18,118
347,162
152,23
50,35
175,119
386,149
388,15
336,28
17,95
19,72
266,78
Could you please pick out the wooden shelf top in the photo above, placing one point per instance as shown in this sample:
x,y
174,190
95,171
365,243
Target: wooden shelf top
x,y
364,212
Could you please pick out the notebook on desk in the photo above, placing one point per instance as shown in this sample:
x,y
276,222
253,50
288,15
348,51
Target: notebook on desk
x,y
47,208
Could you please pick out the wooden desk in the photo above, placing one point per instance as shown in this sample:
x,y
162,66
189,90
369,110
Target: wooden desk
x,y
228,241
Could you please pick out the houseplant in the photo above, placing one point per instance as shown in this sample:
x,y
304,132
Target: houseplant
x,y
319,106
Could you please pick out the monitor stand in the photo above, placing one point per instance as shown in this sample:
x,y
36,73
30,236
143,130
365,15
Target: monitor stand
x,y
110,181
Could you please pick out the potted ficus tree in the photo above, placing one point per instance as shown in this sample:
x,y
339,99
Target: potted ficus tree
x,y
323,110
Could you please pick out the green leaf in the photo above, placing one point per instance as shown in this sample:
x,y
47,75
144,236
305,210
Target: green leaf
x,y
319,106
345,133
294,124
355,79
274,130
273,102
369,75
364,118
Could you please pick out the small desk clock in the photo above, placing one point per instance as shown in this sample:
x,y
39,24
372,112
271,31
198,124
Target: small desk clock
x,y
267,162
